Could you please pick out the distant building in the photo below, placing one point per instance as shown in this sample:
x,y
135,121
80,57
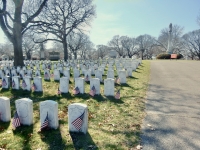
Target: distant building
x,y
54,55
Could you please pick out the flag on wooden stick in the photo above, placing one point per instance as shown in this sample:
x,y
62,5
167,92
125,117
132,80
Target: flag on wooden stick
x,y
46,75
78,122
24,84
117,96
45,124
117,80
87,78
59,92
76,90
34,87
4,83
16,121
92,91
13,83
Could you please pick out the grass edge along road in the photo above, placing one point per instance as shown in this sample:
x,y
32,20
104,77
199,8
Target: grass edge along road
x,y
113,124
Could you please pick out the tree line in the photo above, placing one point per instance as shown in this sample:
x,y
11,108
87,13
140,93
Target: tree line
x,y
28,23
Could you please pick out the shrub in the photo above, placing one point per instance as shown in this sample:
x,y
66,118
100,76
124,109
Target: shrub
x,y
163,56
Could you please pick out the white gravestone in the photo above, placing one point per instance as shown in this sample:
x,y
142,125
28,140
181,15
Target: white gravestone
x,y
64,85
30,73
13,72
38,83
87,75
56,74
122,76
79,82
96,83
37,73
46,74
21,73
66,73
76,73
24,108
15,82
129,71
78,117
5,82
27,80
98,74
49,107
109,87
110,74
5,115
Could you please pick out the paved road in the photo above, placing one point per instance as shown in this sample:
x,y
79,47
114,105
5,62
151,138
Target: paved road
x,y
172,119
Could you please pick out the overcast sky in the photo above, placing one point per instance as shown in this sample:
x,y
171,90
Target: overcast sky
x,y
137,17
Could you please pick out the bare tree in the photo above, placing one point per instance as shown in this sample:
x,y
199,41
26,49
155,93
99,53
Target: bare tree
x,y
28,45
130,45
145,45
102,50
116,44
16,20
192,43
62,17
177,32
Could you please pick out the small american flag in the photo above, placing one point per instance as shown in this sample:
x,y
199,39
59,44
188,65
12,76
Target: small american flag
x,y
52,75
46,75
117,80
34,87
4,82
16,121
45,124
78,122
76,90
59,92
24,84
117,96
92,91
87,78
13,83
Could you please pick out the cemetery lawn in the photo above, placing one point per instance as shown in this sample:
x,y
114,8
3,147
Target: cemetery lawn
x,y
113,124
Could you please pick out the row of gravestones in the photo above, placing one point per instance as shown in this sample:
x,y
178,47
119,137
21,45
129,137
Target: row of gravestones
x,y
109,84
77,113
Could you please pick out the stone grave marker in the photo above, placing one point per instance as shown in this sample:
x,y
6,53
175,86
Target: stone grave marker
x,y
110,74
64,85
5,112
49,107
109,87
79,82
122,76
5,82
15,82
27,83
38,84
96,83
98,74
24,109
56,74
78,118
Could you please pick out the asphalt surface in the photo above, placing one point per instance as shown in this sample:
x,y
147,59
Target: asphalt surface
x,y
172,119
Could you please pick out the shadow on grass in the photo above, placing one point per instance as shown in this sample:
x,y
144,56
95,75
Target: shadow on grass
x,y
133,77
4,126
83,141
53,138
25,133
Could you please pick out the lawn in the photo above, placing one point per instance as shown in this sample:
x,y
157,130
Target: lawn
x,y
113,124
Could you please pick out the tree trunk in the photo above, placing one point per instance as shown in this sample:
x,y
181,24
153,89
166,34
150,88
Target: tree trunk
x,y
65,49
17,36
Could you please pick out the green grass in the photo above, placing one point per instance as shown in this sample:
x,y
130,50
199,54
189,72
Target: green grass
x,y
113,124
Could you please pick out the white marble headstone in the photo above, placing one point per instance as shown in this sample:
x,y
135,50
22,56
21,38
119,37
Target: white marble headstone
x,y
5,114
15,82
75,111
98,74
76,73
56,74
50,107
110,74
38,83
122,76
79,82
27,80
109,87
96,83
5,82
64,85
24,108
